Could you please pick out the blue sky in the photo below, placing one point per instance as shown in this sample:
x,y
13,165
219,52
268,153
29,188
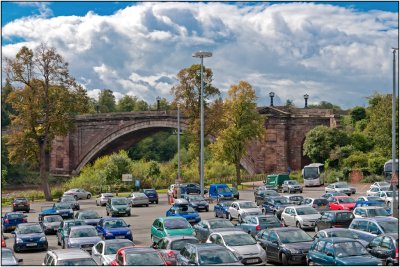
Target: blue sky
x,y
334,51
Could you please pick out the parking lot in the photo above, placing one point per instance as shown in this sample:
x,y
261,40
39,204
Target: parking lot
x,y
140,221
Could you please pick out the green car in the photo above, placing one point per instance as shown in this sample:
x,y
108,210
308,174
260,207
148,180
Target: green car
x,y
63,230
117,206
170,226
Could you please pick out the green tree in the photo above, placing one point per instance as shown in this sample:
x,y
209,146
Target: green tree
x,y
142,105
127,103
358,113
44,106
325,105
242,124
107,101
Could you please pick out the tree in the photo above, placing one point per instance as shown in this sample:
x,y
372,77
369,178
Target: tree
x,y
242,124
325,105
6,109
44,105
127,103
107,101
358,113
142,105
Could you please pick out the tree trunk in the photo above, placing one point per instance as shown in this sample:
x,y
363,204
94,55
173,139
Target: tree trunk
x,y
44,175
238,178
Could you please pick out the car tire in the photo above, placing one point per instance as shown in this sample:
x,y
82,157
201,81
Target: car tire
x,y
310,263
215,215
298,225
226,216
107,213
240,219
76,197
301,191
283,222
89,196
58,242
27,211
230,217
97,204
147,205
129,214
284,259
16,249
207,209
157,201
63,244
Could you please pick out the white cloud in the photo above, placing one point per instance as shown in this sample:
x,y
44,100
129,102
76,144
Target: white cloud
x,y
332,53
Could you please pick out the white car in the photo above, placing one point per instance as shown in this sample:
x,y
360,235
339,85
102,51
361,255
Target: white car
x,y
240,209
104,251
79,193
338,187
242,244
387,196
103,198
368,198
379,185
374,191
300,216
370,211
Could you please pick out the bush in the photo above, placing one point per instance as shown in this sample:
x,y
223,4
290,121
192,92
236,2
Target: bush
x,y
332,175
56,193
296,175
372,178
356,160
375,164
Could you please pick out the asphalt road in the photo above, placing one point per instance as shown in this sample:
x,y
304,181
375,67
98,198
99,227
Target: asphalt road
x,y
140,220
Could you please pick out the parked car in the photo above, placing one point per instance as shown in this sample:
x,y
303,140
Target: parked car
x,y
334,219
275,181
8,258
90,217
3,240
51,223
380,185
371,211
221,209
385,247
253,224
79,193
10,220
368,198
29,236
206,254
170,246
340,232
260,188
62,209
197,202
191,188
261,196
241,244
118,206
204,228
387,196
340,251
291,186
320,204
114,228
170,226
333,194
275,205
242,208
70,200
220,191
235,193
151,194
300,216
181,208
68,257
295,199
138,199
103,198
83,237
338,187
285,245
352,188
341,203
374,191
369,228
21,204
63,231
104,251
138,256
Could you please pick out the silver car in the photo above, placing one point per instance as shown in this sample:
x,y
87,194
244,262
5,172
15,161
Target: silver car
x,y
68,257
240,209
242,244
79,193
8,258
320,204
104,252
338,187
300,216
83,237
90,217
102,199
291,186
138,199
51,223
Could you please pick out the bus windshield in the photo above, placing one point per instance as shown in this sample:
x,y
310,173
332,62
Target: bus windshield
x,y
311,172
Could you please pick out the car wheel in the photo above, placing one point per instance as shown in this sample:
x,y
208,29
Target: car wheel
x,y
206,209
16,249
97,204
230,217
215,215
284,259
301,191
129,214
63,244
298,225
147,205
27,211
226,216
311,263
107,213
283,222
240,219
89,196
157,201
76,197
316,229
58,242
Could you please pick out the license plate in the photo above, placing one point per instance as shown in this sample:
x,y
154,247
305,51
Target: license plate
x,y
191,220
31,244
64,214
122,212
322,206
201,206
120,236
13,227
251,260
20,205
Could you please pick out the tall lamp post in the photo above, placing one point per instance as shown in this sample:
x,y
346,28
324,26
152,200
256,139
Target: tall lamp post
x,y
271,95
201,55
158,102
178,180
394,181
306,100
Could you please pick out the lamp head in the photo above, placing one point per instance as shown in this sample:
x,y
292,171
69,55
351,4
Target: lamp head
x,y
305,96
202,54
271,94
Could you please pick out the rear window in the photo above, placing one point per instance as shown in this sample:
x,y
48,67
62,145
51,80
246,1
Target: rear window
x,y
20,200
16,216
321,201
150,191
180,244
268,220
344,216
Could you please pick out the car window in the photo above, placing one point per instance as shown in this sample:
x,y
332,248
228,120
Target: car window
x,y
376,241
320,235
99,248
120,259
185,253
328,248
373,228
264,235
387,243
319,246
363,225
273,237
51,261
218,240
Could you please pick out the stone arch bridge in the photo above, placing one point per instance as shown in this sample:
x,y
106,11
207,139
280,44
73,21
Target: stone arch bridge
x,y
100,134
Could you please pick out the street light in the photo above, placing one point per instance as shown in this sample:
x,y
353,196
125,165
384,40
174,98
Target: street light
x,y
178,180
201,55
271,95
395,204
305,100
158,102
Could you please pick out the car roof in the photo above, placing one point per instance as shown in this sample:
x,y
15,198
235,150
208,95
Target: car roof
x,y
338,211
242,201
112,219
137,249
378,219
113,241
171,218
204,246
118,198
284,229
179,237
229,232
13,212
369,207
328,230
81,227
28,224
70,253
337,239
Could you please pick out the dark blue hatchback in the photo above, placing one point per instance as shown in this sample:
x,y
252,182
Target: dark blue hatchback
x,y
114,228
12,219
29,236
222,208
151,194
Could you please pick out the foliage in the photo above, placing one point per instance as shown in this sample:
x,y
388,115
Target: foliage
x,y
325,105
356,160
332,176
358,113
6,108
372,178
296,175
107,101
361,142
375,163
127,103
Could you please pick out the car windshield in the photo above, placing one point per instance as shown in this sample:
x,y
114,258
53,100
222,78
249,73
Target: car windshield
x,y
234,190
196,198
112,248
115,224
293,236
67,199
119,201
268,220
77,262
140,258
139,195
321,201
220,224
239,240
292,182
349,249
62,206
89,215
29,229
389,193
373,199
226,203
383,184
281,200
344,216
108,195
223,190
149,191
342,233
346,200
7,257
85,232
16,216
184,210
377,212
176,224
390,226
296,198
20,200
51,219
216,256
247,205
74,223
180,244
342,186
270,193
306,211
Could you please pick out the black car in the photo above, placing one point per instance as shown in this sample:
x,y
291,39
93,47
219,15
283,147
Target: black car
x,y
21,204
385,247
70,200
206,254
334,219
191,188
197,202
151,194
285,245
235,193
260,196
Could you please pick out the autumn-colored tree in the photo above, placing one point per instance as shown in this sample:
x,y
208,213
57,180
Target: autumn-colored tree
x,y
242,123
45,98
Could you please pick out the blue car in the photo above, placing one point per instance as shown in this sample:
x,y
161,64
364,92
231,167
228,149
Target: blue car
x,y
12,219
253,224
114,228
221,209
181,208
29,236
378,203
63,209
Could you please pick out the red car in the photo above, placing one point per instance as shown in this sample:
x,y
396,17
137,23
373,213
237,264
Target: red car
x,y
341,203
137,255
3,241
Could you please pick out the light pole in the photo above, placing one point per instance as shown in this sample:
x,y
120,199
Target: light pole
x,y
178,181
305,100
158,102
271,95
201,55
394,181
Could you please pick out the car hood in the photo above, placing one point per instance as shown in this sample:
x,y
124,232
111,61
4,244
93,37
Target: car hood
x,y
310,216
52,224
359,260
302,246
33,235
197,202
117,230
247,251
107,259
186,231
120,206
251,210
92,221
349,205
84,240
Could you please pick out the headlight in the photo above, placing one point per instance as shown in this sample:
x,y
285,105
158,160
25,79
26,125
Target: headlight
x,y
114,209
194,233
294,251
128,208
19,240
128,233
43,238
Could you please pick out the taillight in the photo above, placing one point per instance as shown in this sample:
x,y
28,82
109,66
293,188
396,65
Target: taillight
x,y
24,220
314,206
397,253
6,220
3,243
258,228
170,254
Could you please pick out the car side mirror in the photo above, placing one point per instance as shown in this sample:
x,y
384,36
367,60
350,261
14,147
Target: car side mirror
x,y
329,254
240,258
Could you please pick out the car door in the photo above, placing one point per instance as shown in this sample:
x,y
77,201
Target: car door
x,y
386,248
245,224
272,246
317,255
324,221
233,210
99,226
201,231
329,254
97,252
292,217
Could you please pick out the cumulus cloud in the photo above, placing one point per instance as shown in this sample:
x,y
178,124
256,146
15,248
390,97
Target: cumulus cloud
x,y
332,53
